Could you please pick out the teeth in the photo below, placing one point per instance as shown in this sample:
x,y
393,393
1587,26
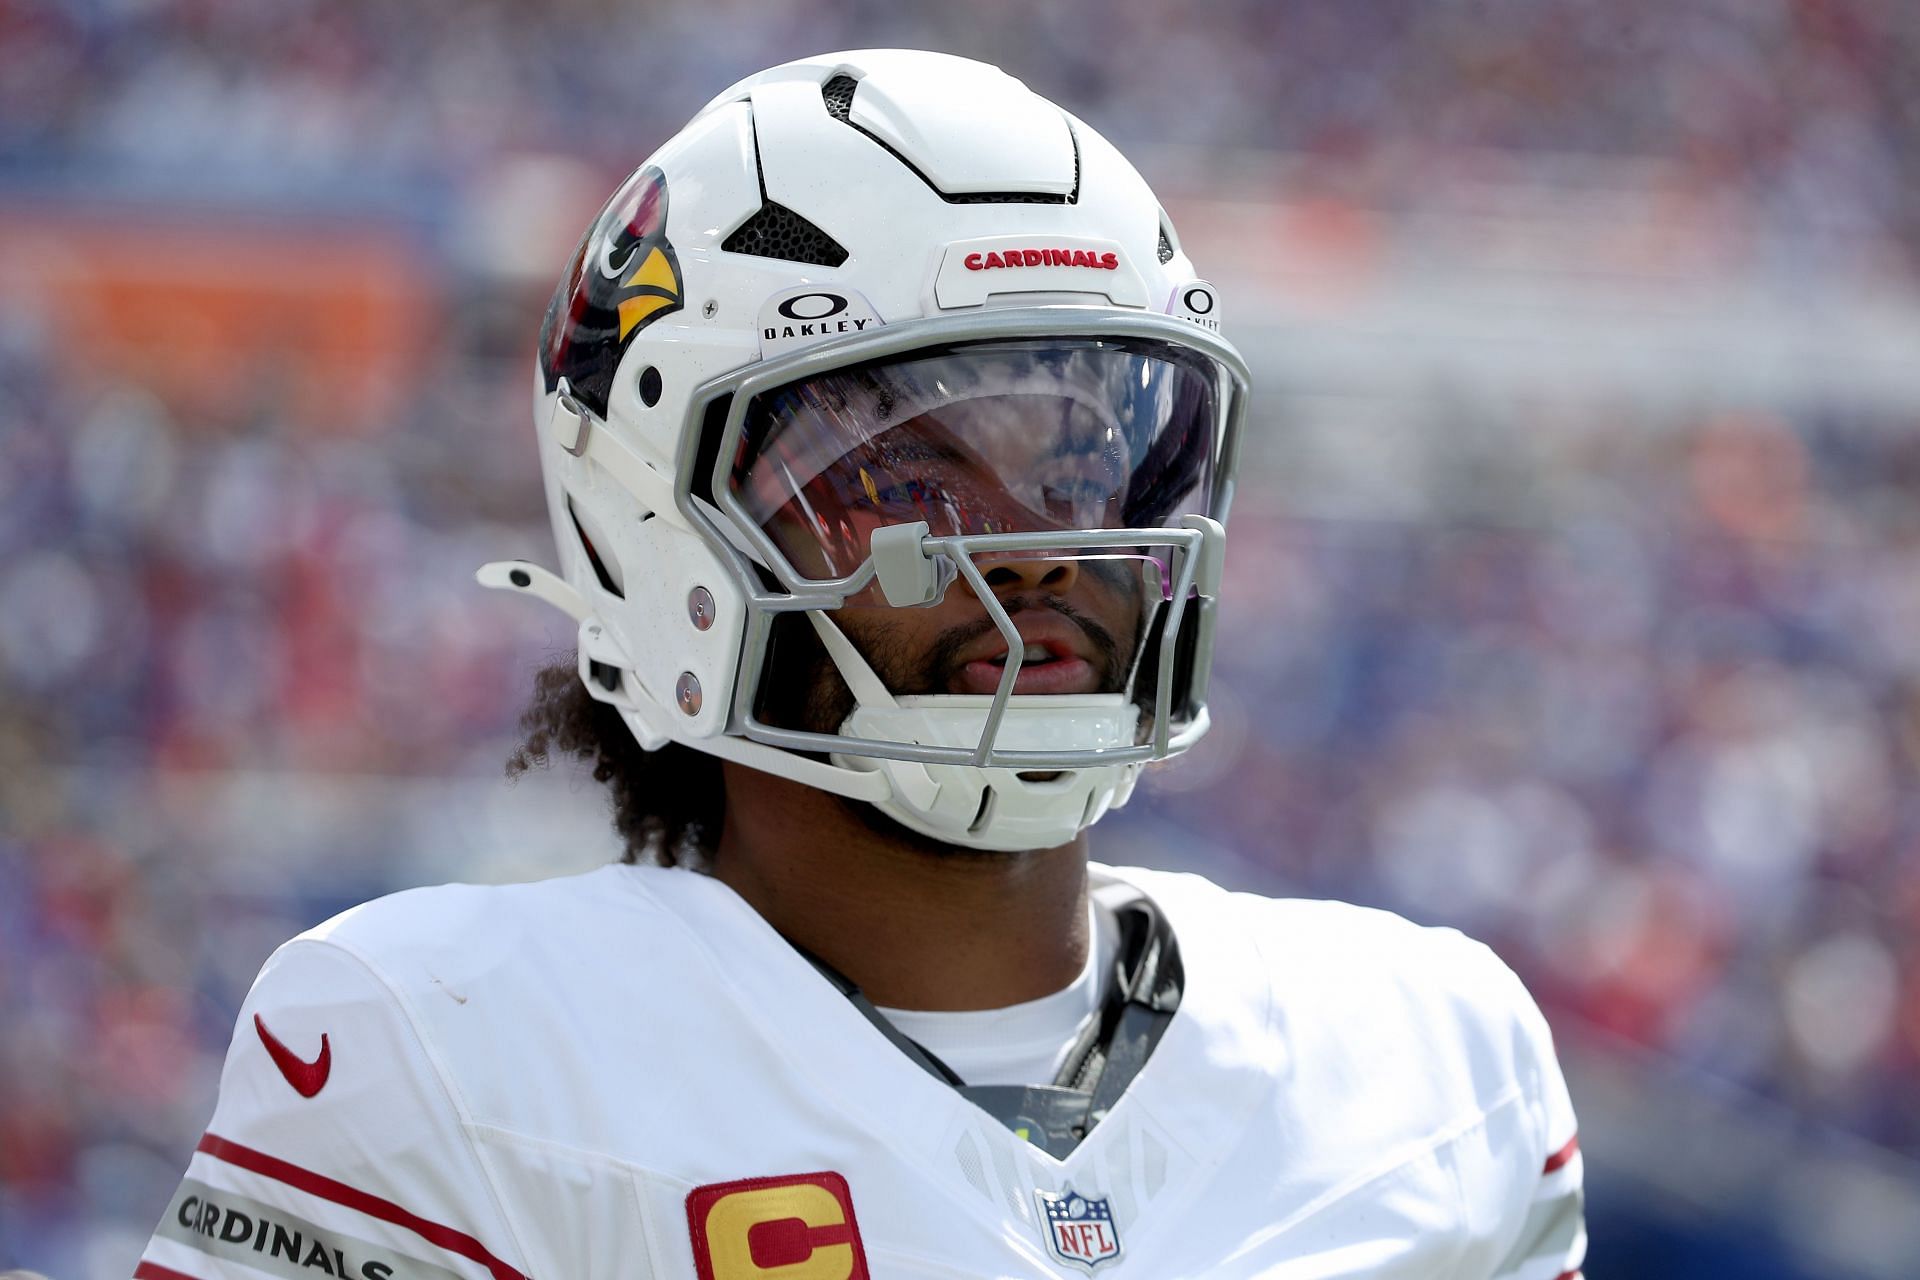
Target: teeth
x,y
1032,653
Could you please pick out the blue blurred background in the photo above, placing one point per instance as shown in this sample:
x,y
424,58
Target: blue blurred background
x,y
1574,596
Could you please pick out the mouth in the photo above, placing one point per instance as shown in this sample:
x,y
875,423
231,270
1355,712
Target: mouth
x,y
1049,663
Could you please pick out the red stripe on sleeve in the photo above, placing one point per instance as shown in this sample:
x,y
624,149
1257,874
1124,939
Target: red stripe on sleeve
x,y
1558,1161
154,1271
326,1188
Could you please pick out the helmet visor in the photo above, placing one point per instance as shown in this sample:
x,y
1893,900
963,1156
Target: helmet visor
x,y
1020,436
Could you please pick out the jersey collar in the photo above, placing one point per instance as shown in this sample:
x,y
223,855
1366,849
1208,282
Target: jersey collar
x,y
1218,1053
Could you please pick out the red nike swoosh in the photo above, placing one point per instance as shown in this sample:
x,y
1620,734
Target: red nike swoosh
x,y
307,1078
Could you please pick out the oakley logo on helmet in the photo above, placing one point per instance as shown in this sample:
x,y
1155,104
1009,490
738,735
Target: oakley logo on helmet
x,y
812,306
971,271
624,277
1196,301
798,317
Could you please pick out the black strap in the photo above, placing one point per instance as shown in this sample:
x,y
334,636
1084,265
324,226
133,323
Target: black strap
x,y
901,1041
1145,992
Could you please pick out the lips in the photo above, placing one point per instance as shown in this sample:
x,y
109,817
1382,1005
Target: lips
x,y
1056,659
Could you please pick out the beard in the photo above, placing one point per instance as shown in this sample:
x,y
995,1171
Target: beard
x,y
830,702
905,672
805,689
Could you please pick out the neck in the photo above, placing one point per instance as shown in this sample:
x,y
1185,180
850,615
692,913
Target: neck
x,y
914,925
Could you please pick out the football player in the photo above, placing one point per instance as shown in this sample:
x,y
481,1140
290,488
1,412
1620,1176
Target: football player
x,y
888,437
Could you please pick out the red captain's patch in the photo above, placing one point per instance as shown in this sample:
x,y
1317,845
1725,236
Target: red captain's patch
x,y
745,1229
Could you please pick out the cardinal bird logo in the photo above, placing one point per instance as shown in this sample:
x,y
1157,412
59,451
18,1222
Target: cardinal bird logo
x,y
624,277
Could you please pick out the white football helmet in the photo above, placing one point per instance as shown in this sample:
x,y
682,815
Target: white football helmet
x,y
871,325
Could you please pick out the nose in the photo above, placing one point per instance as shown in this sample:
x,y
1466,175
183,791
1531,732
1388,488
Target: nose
x,y
1016,573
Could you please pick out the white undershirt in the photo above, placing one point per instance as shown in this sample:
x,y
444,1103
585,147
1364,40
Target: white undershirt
x,y
1023,1043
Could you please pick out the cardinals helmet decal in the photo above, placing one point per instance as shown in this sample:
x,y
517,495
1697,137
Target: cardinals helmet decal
x,y
623,277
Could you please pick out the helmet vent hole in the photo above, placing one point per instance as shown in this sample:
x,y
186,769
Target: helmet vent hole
x,y
1166,245
606,580
984,814
650,386
776,231
838,93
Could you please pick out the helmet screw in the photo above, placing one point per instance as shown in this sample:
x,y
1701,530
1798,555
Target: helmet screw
x,y
711,310
700,608
687,690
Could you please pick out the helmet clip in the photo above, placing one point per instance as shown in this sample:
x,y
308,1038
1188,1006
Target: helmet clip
x,y
908,575
570,423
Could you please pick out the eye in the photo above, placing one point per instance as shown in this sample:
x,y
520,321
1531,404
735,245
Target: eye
x,y
1089,476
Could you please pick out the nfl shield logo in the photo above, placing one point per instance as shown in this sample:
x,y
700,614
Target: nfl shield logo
x,y
1079,1230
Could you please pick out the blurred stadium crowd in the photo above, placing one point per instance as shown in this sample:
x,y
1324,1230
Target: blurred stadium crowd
x,y
1631,692
1801,106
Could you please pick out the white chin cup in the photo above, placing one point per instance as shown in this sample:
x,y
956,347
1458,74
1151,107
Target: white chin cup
x,y
999,809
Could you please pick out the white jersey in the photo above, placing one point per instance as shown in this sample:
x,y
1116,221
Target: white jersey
x,y
630,1074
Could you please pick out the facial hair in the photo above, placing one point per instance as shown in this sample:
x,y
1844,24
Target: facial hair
x,y
893,657
890,654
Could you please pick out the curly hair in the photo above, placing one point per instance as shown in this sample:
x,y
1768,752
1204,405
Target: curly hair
x,y
668,805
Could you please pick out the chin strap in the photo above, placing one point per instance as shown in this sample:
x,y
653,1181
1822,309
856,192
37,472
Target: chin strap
x,y
868,689
1147,983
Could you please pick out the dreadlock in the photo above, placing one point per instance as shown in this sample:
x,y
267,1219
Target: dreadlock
x,y
667,804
